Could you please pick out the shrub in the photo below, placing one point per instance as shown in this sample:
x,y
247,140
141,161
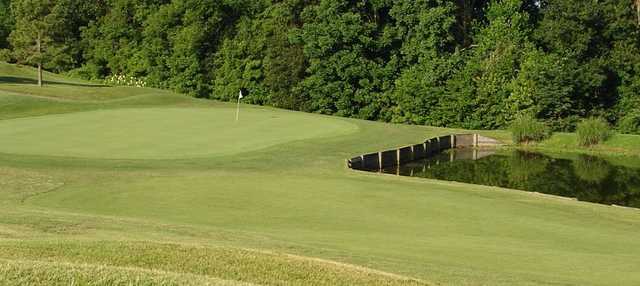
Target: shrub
x,y
5,55
88,71
593,131
526,128
630,123
121,79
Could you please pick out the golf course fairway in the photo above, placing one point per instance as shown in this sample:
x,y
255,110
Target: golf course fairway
x,y
148,187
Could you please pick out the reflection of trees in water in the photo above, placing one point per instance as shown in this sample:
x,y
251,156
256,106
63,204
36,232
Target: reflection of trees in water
x,y
587,178
602,182
591,169
468,171
620,187
524,166
540,173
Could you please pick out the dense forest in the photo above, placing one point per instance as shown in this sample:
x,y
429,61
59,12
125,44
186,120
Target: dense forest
x,y
456,63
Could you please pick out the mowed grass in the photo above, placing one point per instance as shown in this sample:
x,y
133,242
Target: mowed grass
x,y
195,200
161,133
22,80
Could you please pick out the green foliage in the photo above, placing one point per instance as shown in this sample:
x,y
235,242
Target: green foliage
x,y
525,128
593,131
113,43
494,63
34,37
260,59
626,61
6,55
6,23
420,94
57,23
351,62
630,123
471,64
541,88
583,34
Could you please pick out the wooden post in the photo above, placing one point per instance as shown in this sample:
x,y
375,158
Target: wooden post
x,y
413,154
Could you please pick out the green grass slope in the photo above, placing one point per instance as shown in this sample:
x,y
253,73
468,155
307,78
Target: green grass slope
x,y
152,188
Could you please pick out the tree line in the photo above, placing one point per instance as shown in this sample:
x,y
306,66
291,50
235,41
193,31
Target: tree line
x,y
457,63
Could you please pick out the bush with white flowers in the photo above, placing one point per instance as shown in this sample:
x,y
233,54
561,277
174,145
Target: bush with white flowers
x,y
124,80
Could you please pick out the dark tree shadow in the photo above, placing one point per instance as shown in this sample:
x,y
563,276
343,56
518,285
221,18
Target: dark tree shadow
x,y
24,80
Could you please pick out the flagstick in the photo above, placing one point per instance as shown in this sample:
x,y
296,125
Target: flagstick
x,y
238,110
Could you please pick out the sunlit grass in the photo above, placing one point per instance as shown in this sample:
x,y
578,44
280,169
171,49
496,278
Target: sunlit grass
x,y
289,213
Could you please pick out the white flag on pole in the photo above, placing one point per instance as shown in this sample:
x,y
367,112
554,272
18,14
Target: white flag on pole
x,y
238,106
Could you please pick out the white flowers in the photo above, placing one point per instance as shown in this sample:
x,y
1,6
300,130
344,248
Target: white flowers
x,y
120,79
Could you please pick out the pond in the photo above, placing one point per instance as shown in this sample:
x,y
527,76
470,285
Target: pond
x,y
586,178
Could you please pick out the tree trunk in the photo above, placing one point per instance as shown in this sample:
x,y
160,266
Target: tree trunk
x,y
38,43
638,10
40,74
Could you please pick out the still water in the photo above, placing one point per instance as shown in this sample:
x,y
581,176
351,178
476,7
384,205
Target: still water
x,y
587,178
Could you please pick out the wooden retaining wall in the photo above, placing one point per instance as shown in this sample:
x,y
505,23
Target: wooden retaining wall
x,y
389,158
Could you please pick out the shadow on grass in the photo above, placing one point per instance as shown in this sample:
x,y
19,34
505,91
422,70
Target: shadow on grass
x,y
22,80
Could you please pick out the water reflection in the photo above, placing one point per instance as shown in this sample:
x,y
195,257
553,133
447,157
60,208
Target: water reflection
x,y
586,178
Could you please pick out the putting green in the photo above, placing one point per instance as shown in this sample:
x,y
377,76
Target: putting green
x,y
162,133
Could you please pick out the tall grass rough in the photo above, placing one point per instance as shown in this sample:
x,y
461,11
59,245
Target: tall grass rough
x,y
593,131
526,128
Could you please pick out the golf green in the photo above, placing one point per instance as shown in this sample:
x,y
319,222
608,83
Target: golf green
x,y
161,133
